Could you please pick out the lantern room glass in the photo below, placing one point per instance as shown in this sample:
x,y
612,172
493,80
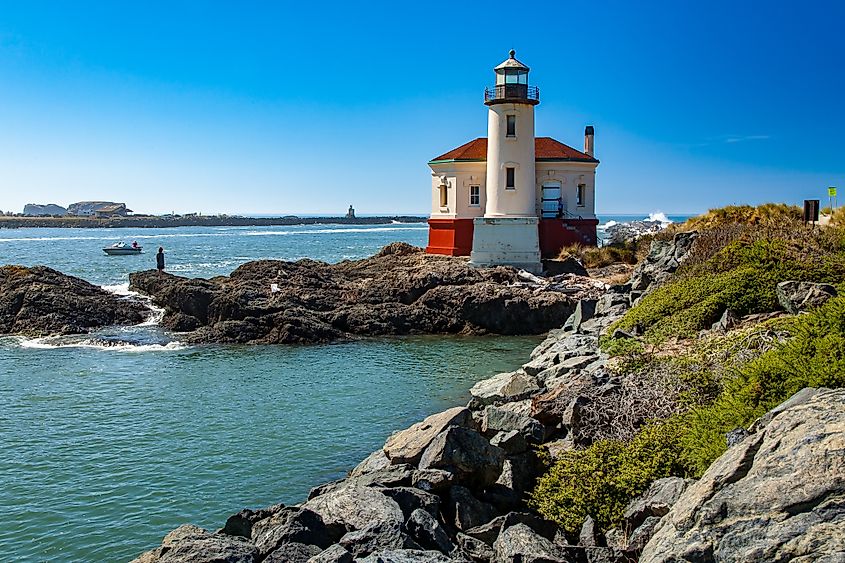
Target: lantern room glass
x,y
511,76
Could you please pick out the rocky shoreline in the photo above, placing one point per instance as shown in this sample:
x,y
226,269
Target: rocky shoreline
x,y
401,290
456,486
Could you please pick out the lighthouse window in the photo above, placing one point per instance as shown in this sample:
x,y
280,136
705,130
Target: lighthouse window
x,y
444,195
475,195
579,199
511,126
510,182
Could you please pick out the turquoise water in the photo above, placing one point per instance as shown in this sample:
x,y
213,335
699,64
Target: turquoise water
x,y
109,441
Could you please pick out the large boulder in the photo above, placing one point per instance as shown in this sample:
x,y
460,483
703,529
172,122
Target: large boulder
x,y
407,446
40,301
775,496
663,259
293,525
190,544
504,388
797,296
465,453
406,556
355,507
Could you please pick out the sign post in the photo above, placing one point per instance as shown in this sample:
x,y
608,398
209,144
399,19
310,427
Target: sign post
x,y
831,196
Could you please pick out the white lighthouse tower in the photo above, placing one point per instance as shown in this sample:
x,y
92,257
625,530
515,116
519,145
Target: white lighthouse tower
x,y
508,233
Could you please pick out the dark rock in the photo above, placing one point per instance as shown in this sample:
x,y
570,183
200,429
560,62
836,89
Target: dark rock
x,y
406,556
639,537
468,511
39,301
795,296
376,461
189,544
503,388
293,525
465,453
335,554
433,480
521,544
411,499
392,476
240,524
728,320
775,496
375,537
475,549
569,265
512,442
428,532
408,292
497,419
736,436
293,553
619,334
664,257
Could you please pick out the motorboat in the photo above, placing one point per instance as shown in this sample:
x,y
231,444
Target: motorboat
x,y
123,249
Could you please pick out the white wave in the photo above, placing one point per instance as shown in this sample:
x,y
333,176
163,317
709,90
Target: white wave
x,y
332,231
122,289
53,342
660,217
609,224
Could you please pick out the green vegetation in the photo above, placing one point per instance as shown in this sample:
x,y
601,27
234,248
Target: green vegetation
x,y
721,382
598,257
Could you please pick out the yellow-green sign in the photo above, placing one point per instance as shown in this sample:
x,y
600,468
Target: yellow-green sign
x,y
831,191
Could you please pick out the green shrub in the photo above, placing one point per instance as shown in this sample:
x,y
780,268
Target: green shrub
x,y
601,480
813,357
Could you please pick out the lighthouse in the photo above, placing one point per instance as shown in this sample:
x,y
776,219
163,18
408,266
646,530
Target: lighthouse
x,y
511,198
508,232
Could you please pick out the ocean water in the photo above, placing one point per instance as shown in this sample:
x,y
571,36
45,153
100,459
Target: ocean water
x,y
108,441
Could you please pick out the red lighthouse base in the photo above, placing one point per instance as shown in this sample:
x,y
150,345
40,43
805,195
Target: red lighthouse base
x,y
452,237
557,233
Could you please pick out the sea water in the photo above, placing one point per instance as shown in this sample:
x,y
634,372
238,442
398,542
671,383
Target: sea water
x,y
108,441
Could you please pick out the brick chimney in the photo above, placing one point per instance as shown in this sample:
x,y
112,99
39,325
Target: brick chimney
x,y
589,140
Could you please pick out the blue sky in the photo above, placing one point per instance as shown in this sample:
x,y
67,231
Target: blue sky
x,y
265,107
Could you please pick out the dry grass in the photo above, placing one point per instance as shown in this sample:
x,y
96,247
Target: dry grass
x,y
766,214
595,257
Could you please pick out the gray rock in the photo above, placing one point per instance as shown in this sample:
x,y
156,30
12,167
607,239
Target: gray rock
x,y
406,556
465,453
408,445
619,334
469,512
542,363
569,265
335,554
589,535
639,537
240,524
775,496
293,553
795,296
615,537
392,476
428,532
375,537
475,549
293,525
607,302
512,442
355,507
410,499
584,311
189,544
656,501
664,257
521,544
728,320
504,388
736,436
376,461
433,480
497,419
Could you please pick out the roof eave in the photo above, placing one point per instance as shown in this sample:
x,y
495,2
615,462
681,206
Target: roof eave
x,y
450,160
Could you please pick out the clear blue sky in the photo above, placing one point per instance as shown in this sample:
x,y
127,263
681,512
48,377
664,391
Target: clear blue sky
x,y
259,107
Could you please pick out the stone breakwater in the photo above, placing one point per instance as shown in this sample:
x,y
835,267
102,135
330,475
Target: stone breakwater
x,y
401,290
453,487
40,301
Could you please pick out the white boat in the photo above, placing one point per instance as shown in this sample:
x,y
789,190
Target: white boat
x,y
122,249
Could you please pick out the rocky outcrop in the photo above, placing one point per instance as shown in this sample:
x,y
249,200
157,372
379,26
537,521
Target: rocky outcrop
x,y
797,296
400,290
778,495
628,231
39,301
43,210
664,258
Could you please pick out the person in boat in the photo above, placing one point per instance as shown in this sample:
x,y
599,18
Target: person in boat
x,y
134,244
160,259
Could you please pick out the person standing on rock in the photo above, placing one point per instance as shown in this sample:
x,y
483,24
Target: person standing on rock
x,y
160,259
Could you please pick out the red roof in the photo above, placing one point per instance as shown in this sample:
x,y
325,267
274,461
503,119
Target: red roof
x,y
545,148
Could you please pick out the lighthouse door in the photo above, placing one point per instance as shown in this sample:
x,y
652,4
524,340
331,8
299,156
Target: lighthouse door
x,y
551,200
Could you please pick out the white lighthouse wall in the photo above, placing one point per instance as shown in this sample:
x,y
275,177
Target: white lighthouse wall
x,y
459,176
568,175
516,152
